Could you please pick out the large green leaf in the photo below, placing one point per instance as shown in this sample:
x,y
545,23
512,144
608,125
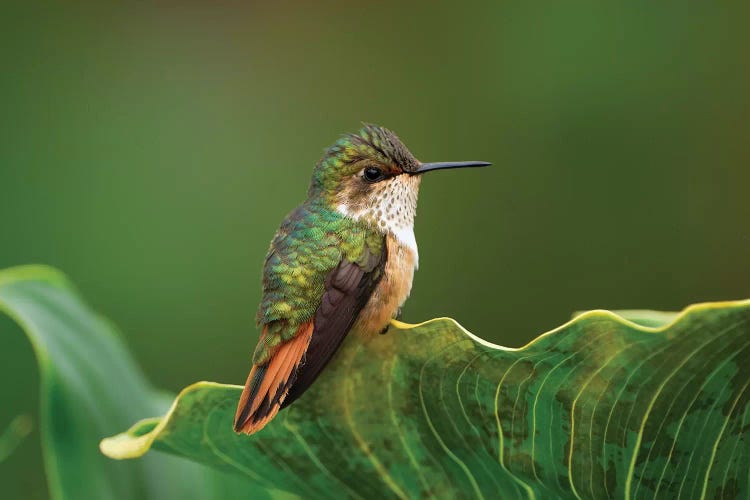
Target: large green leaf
x,y
600,407
91,388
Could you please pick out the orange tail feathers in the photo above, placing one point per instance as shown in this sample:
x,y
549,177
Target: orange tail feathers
x,y
268,384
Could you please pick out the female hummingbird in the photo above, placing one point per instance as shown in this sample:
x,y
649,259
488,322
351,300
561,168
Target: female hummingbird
x,y
341,261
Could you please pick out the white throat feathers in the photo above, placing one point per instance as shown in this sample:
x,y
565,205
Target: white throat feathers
x,y
390,208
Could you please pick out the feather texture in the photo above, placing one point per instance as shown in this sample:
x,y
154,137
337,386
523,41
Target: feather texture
x,y
329,268
348,288
268,384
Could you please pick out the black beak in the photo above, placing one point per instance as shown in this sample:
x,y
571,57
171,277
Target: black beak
x,y
426,167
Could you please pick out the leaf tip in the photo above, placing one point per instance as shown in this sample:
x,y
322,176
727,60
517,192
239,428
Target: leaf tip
x,y
124,446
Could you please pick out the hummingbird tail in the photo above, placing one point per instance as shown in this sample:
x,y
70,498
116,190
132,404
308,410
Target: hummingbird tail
x,y
268,384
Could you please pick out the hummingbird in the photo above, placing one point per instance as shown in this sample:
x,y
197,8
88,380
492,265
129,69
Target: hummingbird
x,y
343,261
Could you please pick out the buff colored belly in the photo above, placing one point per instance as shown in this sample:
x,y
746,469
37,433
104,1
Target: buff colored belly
x,y
392,290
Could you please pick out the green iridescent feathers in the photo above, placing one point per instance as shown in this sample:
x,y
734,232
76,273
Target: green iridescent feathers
x,y
344,157
309,244
315,237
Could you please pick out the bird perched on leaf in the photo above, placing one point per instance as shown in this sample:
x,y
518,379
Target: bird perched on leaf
x,y
342,261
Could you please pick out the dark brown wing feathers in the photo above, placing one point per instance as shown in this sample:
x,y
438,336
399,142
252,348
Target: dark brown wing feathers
x,y
348,288
297,363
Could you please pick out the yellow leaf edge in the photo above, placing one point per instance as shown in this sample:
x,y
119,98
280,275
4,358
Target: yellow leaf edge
x,y
129,444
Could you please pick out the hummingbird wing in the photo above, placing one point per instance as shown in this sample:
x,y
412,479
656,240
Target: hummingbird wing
x,y
296,363
348,288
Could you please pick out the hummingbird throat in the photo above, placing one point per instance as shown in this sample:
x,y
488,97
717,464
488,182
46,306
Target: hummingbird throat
x,y
389,206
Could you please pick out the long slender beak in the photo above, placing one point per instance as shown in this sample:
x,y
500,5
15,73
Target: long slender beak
x,y
426,167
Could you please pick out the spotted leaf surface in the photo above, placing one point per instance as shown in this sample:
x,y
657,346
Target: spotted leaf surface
x,y
655,405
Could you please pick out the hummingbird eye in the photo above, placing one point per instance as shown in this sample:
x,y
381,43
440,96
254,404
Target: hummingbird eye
x,y
373,174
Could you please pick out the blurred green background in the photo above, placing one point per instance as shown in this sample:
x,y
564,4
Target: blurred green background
x,y
150,151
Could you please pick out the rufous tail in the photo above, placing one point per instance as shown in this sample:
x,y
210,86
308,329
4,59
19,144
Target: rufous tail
x,y
268,383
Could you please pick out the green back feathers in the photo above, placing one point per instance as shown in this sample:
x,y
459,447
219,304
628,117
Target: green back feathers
x,y
315,237
310,243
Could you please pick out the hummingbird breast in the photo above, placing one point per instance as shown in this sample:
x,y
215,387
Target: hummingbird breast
x,y
393,289
390,208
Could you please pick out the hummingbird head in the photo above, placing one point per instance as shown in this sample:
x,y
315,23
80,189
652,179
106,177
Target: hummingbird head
x,y
372,177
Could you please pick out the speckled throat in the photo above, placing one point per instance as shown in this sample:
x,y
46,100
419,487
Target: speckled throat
x,y
390,207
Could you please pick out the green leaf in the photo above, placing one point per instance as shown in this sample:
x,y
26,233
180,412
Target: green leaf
x,y
90,388
601,406
643,317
